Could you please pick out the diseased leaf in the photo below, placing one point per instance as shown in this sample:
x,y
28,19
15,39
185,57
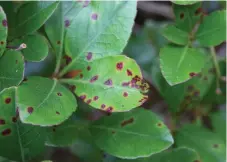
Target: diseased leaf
x,y
19,141
212,30
176,35
184,2
11,69
31,16
3,31
36,47
219,124
186,17
175,155
44,102
209,146
179,64
54,28
116,76
102,29
138,133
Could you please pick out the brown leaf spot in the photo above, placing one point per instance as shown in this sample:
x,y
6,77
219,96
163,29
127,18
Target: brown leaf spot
x,y
192,74
215,145
14,119
73,88
205,78
119,65
7,100
72,74
2,42
30,110
181,15
198,11
81,76
88,68
125,94
159,124
6,132
126,122
94,78
2,122
57,112
88,101
58,42
113,132
103,106
68,59
95,98
59,94
129,72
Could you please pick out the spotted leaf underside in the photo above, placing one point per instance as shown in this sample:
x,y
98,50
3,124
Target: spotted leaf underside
x,y
179,64
126,135
97,29
3,30
19,141
209,145
44,102
175,155
11,69
112,83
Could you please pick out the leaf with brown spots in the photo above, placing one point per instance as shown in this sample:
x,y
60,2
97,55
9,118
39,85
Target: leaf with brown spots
x,y
105,81
3,30
45,102
19,142
132,134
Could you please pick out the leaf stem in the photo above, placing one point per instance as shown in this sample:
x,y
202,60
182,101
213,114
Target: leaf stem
x,y
217,69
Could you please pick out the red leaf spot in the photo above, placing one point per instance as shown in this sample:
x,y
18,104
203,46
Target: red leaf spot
x,y
7,100
119,65
129,72
89,56
181,15
198,11
125,84
109,109
2,122
58,113
215,145
94,78
103,106
108,82
2,42
59,94
88,68
96,98
6,132
81,76
4,23
126,122
94,16
67,23
14,119
88,101
58,42
125,94
192,74
30,110
83,97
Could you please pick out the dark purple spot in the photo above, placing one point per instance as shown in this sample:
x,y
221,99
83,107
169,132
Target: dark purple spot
x,y
7,100
126,122
14,119
4,23
67,59
94,16
88,101
83,97
119,65
192,74
95,98
89,56
6,132
129,72
103,106
181,15
94,78
59,94
125,84
2,122
67,23
81,75
58,113
109,109
30,110
108,82
125,94
88,68
215,145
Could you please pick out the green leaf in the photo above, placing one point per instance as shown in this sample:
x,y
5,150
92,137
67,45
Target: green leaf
x,y
133,134
115,76
187,16
37,47
54,28
19,141
108,26
179,64
176,35
175,155
212,34
209,146
58,136
3,31
31,16
44,102
184,2
12,69
219,124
